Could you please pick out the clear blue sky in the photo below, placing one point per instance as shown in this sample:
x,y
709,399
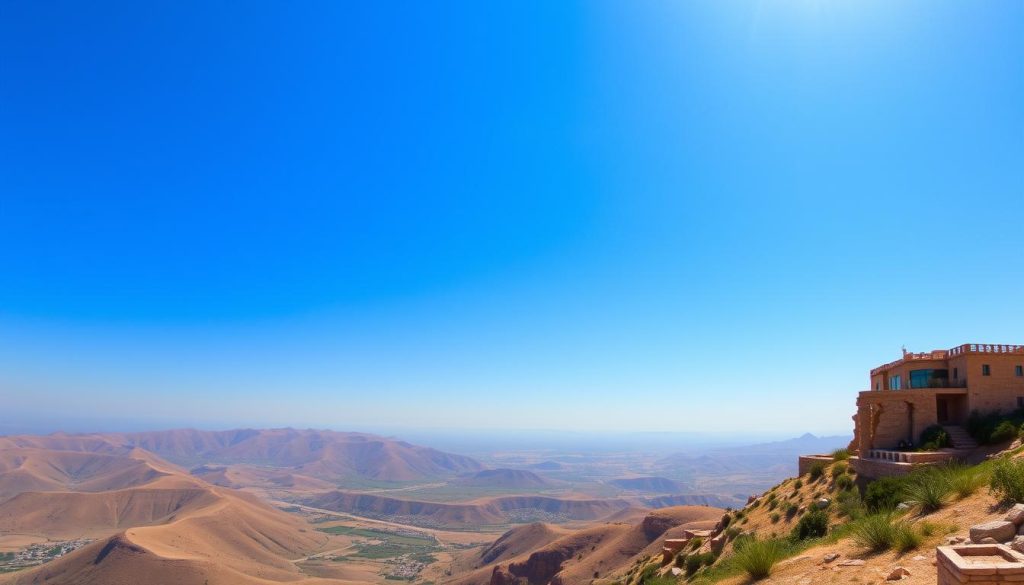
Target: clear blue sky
x,y
582,215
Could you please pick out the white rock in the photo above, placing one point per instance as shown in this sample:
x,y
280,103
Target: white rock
x,y
1015,514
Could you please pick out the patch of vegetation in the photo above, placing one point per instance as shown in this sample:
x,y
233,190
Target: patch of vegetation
x,y
883,494
816,471
964,480
813,524
844,482
934,438
885,531
994,427
841,454
694,562
928,489
850,505
1007,481
798,484
757,558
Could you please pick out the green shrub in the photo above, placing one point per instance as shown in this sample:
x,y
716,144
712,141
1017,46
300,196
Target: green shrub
x,y
775,517
883,494
850,504
839,468
680,560
813,524
695,542
758,557
1007,481
1004,431
798,484
816,471
694,562
841,454
929,490
791,509
884,531
844,482
934,438
963,480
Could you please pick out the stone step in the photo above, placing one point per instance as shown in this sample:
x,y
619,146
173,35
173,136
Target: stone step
x,y
960,438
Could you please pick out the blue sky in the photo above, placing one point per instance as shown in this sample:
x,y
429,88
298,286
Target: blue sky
x,y
552,215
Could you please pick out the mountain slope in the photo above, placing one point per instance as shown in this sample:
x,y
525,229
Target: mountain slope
x,y
324,455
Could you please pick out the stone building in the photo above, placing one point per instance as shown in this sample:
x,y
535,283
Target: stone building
x,y
939,387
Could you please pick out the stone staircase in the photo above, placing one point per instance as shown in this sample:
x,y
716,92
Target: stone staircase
x,y
959,437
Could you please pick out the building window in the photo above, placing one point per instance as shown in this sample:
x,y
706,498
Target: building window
x,y
929,379
877,385
986,370
1019,370
956,374
894,383
1020,402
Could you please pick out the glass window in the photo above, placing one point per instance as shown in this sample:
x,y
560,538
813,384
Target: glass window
x,y
929,378
894,383
1019,370
985,370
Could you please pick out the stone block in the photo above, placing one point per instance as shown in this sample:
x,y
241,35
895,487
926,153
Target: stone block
x,y
998,530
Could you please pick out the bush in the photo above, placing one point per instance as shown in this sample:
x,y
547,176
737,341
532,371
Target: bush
x,y
844,482
775,517
798,484
816,471
841,454
884,531
850,504
758,557
680,560
929,490
1004,431
694,562
790,510
813,524
839,468
883,494
963,480
1007,481
934,438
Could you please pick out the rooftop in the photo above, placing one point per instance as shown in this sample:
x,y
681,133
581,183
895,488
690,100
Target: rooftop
x,y
942,354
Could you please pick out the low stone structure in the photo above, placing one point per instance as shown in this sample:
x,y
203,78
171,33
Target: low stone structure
x,y
978,564
805,462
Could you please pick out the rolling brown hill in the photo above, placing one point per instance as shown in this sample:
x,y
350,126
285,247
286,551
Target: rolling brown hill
x,y
538,553
481,512
324,455
505,479
153,523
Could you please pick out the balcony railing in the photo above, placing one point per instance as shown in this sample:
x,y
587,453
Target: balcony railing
x,y
942,354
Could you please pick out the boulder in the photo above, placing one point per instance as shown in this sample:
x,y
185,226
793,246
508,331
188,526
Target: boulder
x,y
1018,544
997,530
897,574
823,503
1016,514
831,557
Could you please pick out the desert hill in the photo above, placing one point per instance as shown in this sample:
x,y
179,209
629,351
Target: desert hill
x,y
32,469
658,485
505,478
481,512
541,554
153,522
324,455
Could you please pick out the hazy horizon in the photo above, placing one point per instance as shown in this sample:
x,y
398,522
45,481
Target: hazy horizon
x,y
587,216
